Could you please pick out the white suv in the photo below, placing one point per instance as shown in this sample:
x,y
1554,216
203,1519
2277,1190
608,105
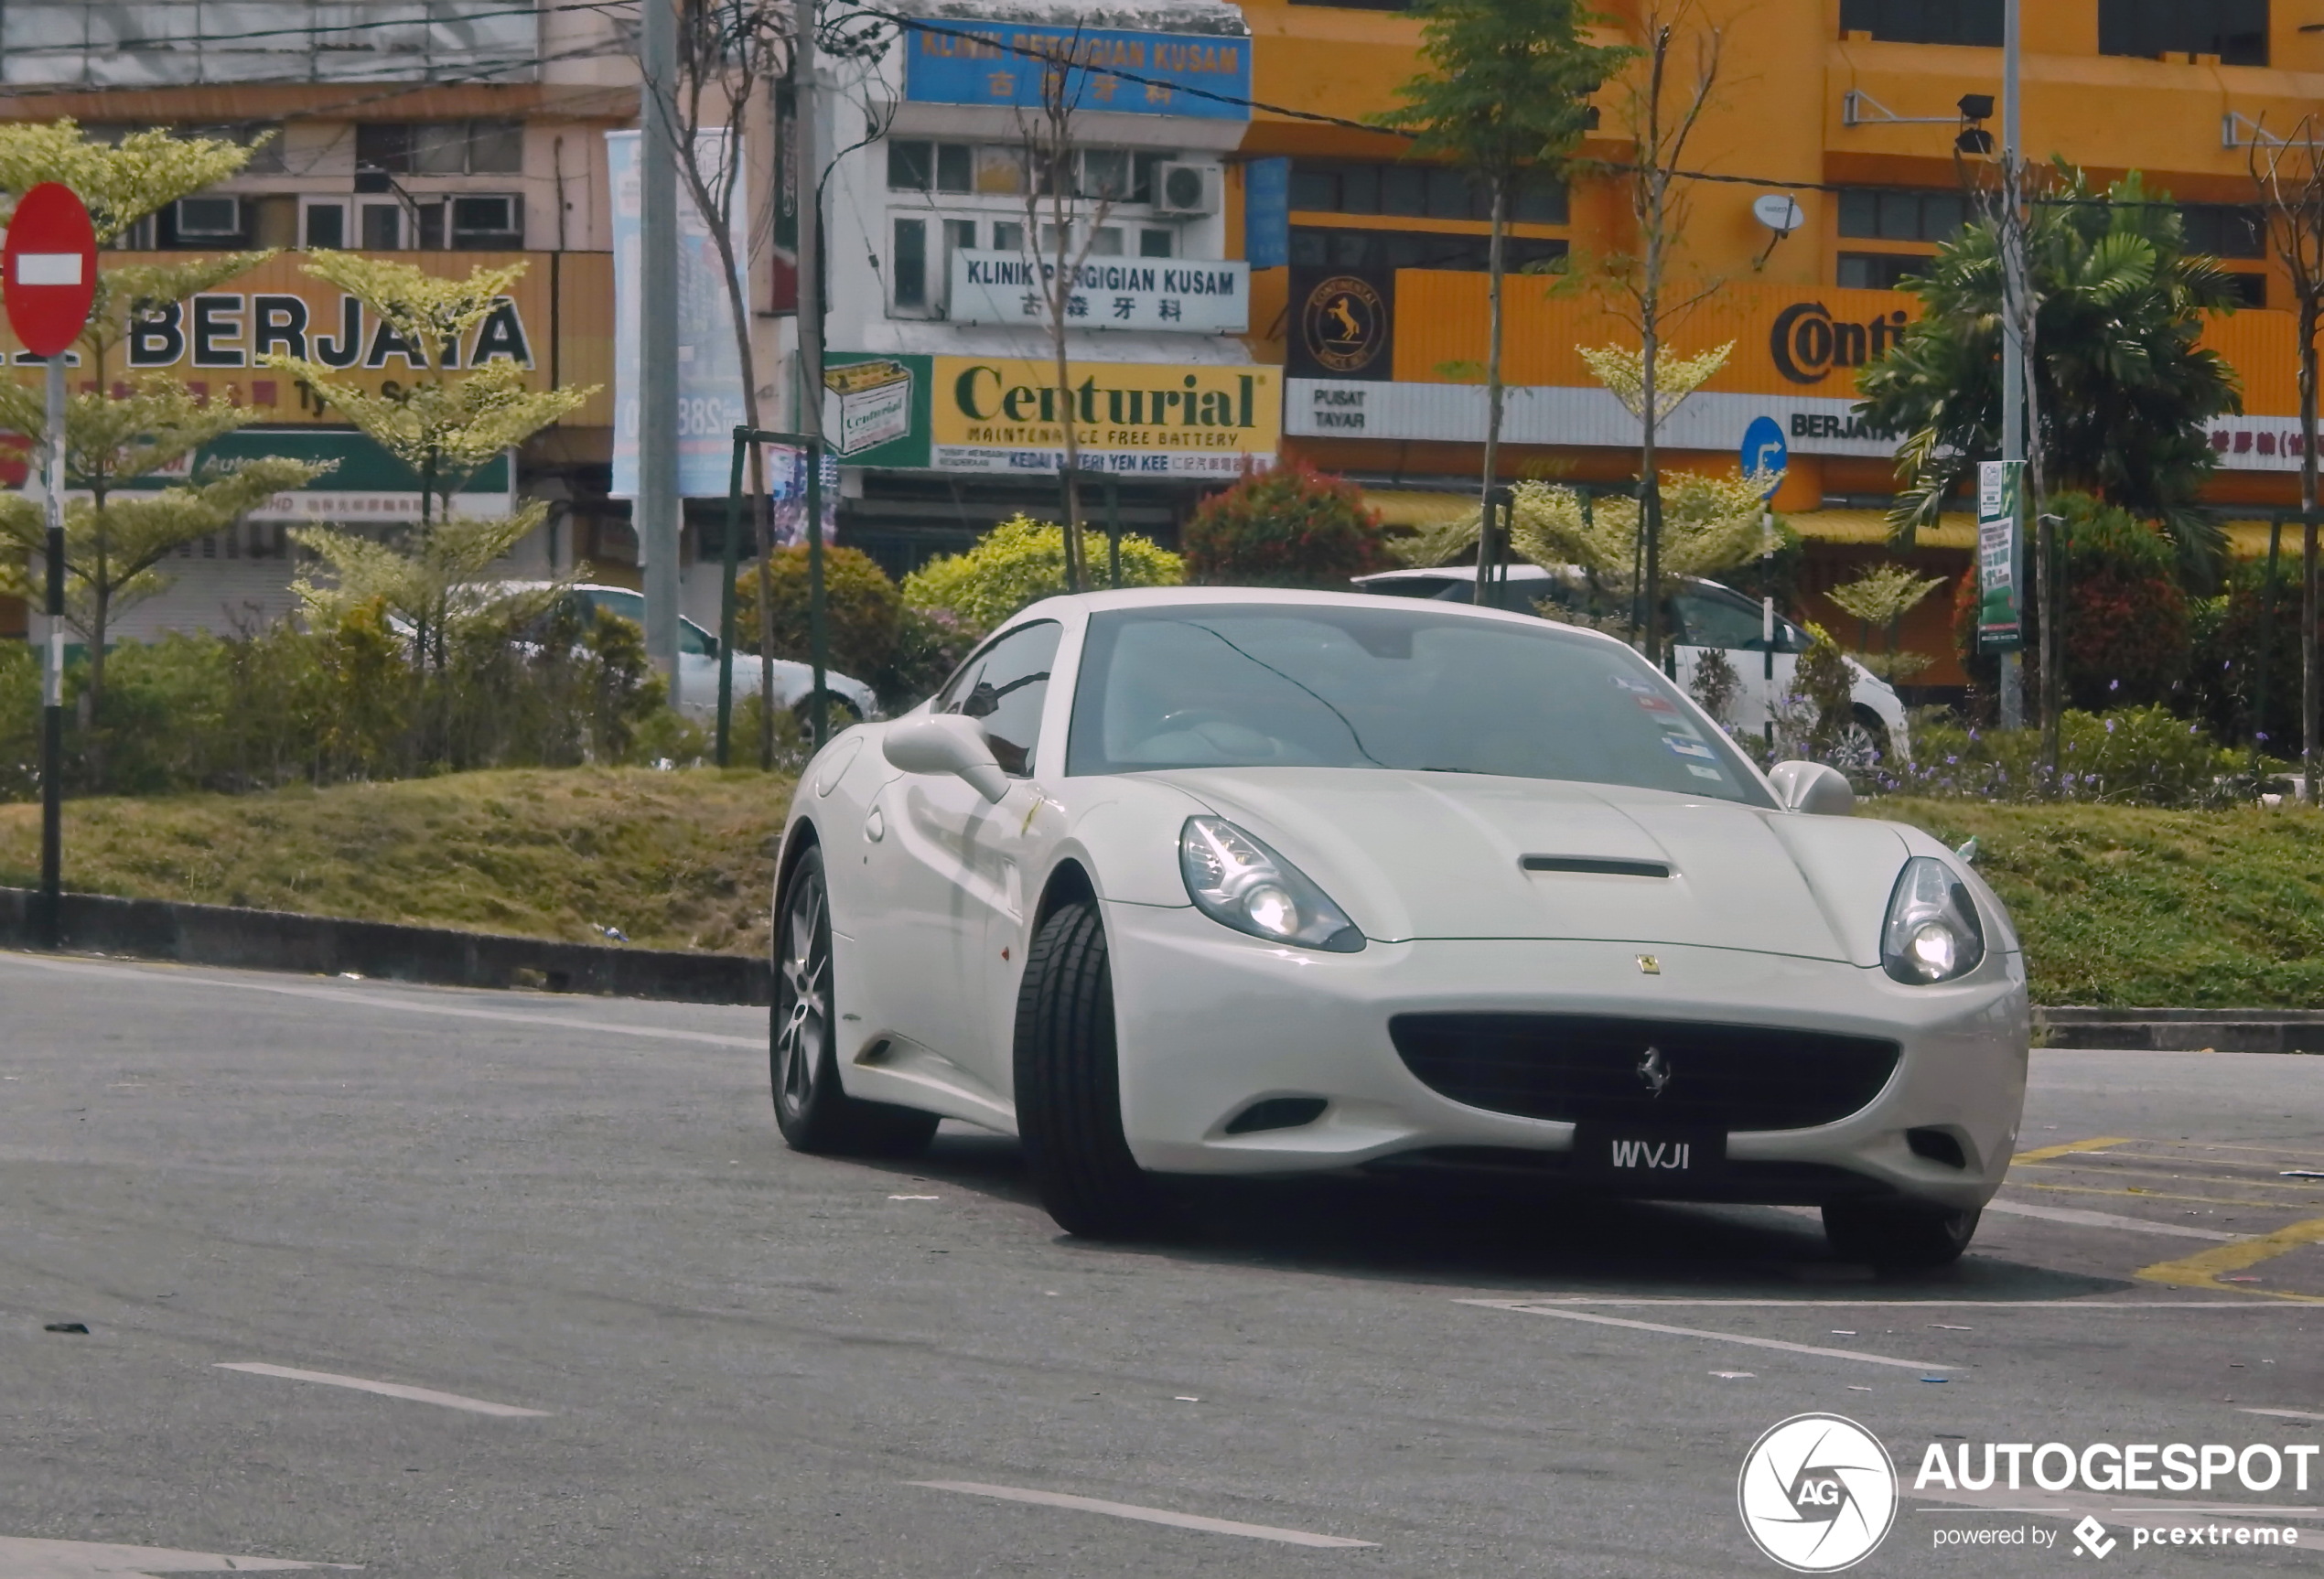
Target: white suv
x,y
1704,616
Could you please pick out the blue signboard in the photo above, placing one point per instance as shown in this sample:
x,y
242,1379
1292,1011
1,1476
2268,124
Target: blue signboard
x,y
1267,213
1001,63
1765,449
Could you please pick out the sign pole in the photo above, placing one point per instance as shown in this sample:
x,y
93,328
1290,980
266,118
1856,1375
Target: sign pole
x,y
817,642
727,599
52,691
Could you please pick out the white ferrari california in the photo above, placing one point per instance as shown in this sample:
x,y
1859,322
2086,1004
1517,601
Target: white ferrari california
x,y
1207,880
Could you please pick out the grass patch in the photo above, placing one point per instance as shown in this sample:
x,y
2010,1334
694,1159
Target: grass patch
x,y
2128,906
681,860
2118,906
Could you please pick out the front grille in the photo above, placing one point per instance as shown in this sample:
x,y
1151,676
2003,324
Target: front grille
x,y
1598,1068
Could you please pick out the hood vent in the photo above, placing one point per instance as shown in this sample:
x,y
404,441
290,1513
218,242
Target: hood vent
x,y
1596,866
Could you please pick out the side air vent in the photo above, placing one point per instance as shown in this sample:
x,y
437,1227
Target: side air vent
x,y
1596,866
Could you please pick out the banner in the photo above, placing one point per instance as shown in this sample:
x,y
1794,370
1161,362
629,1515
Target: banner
x,y
1146,419
710,392
365,483
1209,297
2000,610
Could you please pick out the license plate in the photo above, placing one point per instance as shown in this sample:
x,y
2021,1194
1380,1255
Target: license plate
x,y
1649,1156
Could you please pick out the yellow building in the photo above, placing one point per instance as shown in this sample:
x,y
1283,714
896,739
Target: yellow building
x,y
1851,107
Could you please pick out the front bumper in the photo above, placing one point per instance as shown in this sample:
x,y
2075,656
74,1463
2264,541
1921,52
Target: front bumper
x,y
1211,1021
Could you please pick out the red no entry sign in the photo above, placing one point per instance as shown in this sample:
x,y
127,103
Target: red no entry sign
x,y
50,264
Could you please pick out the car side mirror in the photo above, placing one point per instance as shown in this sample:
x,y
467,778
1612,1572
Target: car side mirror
x,y
947,743
1814,788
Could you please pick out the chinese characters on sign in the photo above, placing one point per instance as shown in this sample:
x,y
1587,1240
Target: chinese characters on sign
x,y
1190,74
1108,294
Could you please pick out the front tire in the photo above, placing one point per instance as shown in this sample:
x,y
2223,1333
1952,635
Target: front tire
x,y
812,1109
1069,1087
1897,1237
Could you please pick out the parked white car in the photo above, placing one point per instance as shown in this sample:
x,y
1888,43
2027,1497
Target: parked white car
x,y
1212,880
852,700
1705,615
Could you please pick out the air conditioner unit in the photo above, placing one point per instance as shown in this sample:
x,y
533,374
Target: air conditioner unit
x,y
1186,189
210,216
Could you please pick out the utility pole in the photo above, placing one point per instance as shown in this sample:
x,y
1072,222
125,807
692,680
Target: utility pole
x,y
808,169
2013,347
657,509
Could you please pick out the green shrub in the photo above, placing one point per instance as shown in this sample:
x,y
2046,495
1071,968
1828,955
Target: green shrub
x,y
2225,670
861,607
1291,526
2128,629
1022,560
929,644
1824,687
2134,756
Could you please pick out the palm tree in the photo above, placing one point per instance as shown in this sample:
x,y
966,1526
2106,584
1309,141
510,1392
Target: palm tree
x,y
2122,390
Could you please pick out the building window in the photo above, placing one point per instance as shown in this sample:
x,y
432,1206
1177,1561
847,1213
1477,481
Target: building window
x,y
324,225
1315,247
908,264
916,164
212,222
1879,270
441,147
2250,289
2234,30
1925,21
1155,244
1870,214
2224,230
382,230
487,224
1418,191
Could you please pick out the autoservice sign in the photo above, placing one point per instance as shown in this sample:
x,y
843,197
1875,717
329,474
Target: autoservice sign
x,y
1149,419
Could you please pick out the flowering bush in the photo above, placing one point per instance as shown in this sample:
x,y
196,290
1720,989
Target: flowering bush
x,y
2141,755
1292,526
2128,628
860,608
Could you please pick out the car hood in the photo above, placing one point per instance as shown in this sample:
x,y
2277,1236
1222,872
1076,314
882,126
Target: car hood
x,y
1415,855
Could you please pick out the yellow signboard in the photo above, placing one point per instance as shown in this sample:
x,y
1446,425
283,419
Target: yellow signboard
x,y
1141,419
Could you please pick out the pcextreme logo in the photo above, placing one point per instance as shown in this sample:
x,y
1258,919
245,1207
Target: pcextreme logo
x,y
1817,1493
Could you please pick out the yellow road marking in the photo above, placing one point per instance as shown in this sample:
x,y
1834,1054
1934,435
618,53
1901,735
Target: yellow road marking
x,y
2043,1154
2158,1195
2232,1146
2307,1184
2203,1269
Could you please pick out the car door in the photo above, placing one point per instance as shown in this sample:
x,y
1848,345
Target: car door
x,y
1718,619
949,873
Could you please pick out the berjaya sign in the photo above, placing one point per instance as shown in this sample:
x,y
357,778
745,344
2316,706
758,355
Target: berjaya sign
x,y
1207,297
1557,414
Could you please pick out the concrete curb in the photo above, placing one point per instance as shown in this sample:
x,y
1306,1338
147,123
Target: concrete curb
x,y
325,946
2183,1030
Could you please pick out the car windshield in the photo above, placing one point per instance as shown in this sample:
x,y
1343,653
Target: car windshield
x,y
1401,686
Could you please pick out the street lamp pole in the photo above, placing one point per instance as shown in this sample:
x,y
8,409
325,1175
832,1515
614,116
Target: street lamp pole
x,y
2013,347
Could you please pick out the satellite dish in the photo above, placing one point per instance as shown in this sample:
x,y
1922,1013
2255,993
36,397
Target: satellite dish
x,y
1779,212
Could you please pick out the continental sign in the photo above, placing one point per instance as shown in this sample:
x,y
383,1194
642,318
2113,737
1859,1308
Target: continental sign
x,y
999,414
216,342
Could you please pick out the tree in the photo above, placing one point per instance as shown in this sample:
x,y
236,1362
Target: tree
x,y
1660,117
1505,98
1880,598
1289,526
446,425
2289,173
113,541
1022,560
861,608
1057,225
2124,388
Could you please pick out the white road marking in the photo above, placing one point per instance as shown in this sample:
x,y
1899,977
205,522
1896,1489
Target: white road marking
x,y
1531,1308
385,1001
385,1388
2074,1502
1146,1515
2104,1219
21,1558
2284,1413
1672,1302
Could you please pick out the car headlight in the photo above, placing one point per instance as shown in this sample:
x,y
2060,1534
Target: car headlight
x,y
1933,933
1233,878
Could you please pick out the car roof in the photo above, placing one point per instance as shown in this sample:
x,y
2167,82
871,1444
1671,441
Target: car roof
x,y
1081,604
1517,571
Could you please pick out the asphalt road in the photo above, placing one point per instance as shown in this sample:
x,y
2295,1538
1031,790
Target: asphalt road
x,y
743,1361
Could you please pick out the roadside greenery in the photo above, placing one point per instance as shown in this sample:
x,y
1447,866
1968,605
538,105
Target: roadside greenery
x,y
1019,562
1290,526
